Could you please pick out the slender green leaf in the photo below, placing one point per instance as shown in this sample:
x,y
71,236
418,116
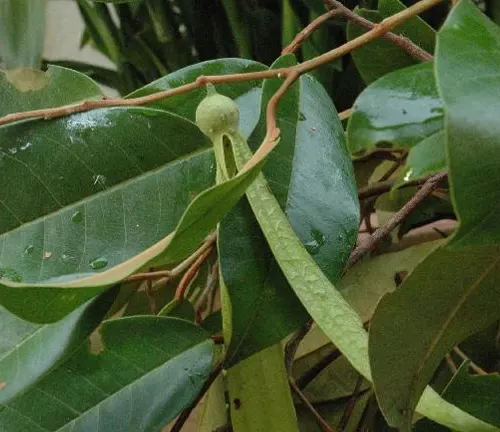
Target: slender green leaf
x,y
449,296
259,392
22,33
398,110
380,57
135,374
35,350
28,89
264,308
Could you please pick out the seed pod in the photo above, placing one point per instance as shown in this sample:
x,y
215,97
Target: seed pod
x,y
217,114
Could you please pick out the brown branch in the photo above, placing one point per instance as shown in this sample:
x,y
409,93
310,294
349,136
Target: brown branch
x,y
383,187
351,403
472,365
405,44
325,427
309,29
451,365
294,71
345,114
371,243
210,285
181,420
183,266
293,344
191,273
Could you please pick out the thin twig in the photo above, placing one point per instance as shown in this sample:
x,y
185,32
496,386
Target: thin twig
x,y
376,31
191,273
293,344
472,365
351,403
451,365
307,377
311,28
187,412
371,243
181,268
210,285
405,44
151,296
345,114
325,427
383,187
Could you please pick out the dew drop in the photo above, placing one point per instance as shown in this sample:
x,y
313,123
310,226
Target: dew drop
x,y
47,255
29,249
302,117
66,258
77,217
98,263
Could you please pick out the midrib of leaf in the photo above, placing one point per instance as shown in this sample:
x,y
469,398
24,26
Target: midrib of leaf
x,y
110,396
449,319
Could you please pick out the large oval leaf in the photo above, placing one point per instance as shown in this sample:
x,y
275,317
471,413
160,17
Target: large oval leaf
x,y
309,173
29,89
36,350
453,293
138,375
398,110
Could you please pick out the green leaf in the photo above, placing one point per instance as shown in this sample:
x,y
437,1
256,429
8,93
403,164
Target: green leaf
x,y
23,343
427,157
259,392
477,394
264,308
185,104
398,110
28,89
448,297
22,33
367,282
380,57
135,374
325,304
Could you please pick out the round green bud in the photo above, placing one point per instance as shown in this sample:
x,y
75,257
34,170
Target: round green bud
x,y
217,114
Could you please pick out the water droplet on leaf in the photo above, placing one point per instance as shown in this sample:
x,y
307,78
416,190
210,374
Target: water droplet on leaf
x,y
302,117
98,263
77,217
29,249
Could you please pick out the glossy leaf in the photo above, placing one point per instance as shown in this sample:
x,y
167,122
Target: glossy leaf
x,y
380,57
135,374
398,110
260,396
264,309
35,350
427,157
477,394
328,308
22,33
29,89
448,297
185,104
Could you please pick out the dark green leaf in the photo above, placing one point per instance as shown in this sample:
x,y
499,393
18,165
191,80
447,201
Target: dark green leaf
x,y
427,157
134,374
398,110
35,350
380,57
264,309
476,394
